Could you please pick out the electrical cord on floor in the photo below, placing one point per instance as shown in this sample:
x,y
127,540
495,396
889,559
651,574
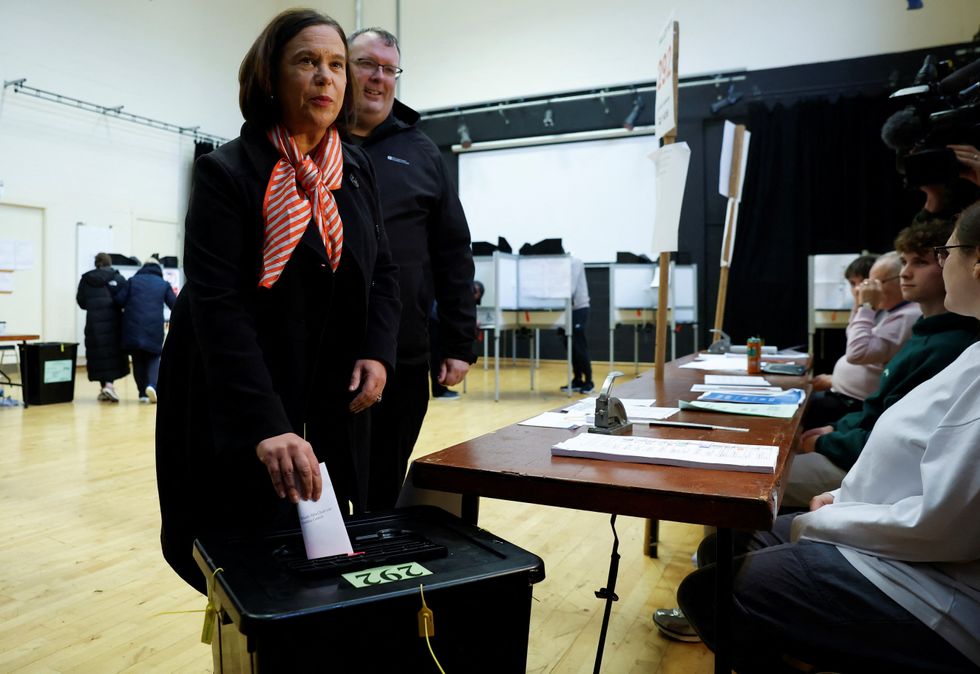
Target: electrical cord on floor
x,y
427,627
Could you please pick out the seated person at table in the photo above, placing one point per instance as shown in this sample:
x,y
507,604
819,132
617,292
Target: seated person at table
x,y
881,320
938,338
884,573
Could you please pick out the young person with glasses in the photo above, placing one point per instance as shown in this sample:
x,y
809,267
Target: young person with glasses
x,y
883,573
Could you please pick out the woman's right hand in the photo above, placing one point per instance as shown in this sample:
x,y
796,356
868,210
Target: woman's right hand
x,y
292,466
822,382
820,500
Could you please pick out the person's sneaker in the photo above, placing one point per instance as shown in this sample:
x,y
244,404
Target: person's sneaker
x,y
576,386
447,395
104,396
588,387
109,394
151,393
145,400
674,625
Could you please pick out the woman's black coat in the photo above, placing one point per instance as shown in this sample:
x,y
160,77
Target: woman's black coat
x,y
104,357
243,363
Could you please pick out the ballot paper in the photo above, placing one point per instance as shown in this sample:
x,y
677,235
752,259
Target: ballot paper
x,y
735,380
719,362
637,409
669,452
750,410
701,388
324,533
555,420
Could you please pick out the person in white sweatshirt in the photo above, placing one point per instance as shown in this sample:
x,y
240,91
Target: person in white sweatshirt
x,y
883,574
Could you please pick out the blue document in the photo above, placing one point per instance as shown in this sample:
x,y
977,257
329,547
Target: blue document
x,y
793,396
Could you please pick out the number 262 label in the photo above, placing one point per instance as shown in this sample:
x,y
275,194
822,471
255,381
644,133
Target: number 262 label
x,y
386,574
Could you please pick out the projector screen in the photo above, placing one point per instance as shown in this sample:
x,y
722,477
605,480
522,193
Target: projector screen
x,y
596,196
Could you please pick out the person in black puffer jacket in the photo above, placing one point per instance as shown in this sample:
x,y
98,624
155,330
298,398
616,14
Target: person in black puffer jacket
x,y
104,356
142,334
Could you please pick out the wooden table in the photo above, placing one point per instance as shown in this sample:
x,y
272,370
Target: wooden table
x,y
515,463
23,339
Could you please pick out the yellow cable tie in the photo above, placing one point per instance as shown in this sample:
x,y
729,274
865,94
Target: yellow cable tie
x,y
210,611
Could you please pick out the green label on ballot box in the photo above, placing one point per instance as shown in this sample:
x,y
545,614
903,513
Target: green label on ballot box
x,y
386,574
57,371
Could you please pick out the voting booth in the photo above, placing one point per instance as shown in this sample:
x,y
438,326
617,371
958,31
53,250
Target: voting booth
x,y
278,611
829,303
633,300
524,291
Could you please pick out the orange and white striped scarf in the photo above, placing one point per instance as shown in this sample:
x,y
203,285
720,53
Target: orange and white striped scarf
x,y
287,211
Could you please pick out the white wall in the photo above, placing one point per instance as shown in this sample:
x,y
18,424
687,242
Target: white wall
x,y
471,50
177,61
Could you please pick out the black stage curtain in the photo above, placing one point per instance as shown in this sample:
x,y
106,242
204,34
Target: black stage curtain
x,y
202,147
818,180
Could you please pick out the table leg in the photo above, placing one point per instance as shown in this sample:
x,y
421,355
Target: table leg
x,y
651,538
496,365
723,600
532,349
24,374
609,594
470,508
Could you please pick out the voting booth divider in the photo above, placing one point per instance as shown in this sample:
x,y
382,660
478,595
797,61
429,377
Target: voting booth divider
x,y
524,291
633,300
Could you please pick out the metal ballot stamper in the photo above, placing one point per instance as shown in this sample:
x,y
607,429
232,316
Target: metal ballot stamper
x,y
610,415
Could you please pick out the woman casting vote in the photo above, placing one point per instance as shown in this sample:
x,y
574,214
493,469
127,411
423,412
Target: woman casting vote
x,y
286,324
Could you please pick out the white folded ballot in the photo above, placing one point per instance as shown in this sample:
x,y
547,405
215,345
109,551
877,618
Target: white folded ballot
x,y
666,452
324,532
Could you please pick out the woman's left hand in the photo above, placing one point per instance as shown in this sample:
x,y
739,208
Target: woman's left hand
x,y
369,376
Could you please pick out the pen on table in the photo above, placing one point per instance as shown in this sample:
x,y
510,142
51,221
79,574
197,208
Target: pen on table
x,y
690,424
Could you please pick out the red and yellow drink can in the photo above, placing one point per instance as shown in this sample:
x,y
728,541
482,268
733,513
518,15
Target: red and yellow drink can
x,y
753,355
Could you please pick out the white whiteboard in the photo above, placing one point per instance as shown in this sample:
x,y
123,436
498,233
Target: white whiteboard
x,y
597,196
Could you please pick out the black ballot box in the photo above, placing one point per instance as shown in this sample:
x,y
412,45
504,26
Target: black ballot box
x,y
47,372
280,612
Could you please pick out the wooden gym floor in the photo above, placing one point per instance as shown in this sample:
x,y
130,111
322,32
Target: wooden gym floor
x,y
83,587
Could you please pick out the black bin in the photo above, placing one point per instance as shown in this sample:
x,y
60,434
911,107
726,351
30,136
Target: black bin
x,y
47,371
277,614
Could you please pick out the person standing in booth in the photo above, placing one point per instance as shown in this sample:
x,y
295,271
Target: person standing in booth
x,y
105,360
143,298
284,332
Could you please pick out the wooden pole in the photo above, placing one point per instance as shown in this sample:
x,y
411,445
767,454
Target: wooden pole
x,y
730,220
660,350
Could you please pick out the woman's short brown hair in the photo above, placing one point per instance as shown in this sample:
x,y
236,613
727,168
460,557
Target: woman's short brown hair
x,y
257,76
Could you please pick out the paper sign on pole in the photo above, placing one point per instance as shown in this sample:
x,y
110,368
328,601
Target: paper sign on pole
x,y
734,142
671,162
665,109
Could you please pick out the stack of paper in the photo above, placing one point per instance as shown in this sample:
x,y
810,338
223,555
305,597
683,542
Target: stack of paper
x,y
667,452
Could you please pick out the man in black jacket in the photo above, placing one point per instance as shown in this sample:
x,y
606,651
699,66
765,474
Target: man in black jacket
x,y
430,243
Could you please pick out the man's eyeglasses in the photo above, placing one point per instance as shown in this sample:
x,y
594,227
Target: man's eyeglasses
x,y
371,66
942,252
